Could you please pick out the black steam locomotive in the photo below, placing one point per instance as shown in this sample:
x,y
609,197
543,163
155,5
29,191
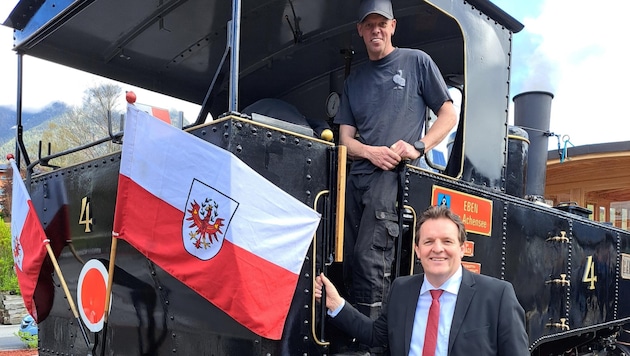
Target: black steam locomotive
x,y
570,274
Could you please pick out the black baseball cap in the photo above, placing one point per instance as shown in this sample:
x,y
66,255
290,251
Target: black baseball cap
x,y
381,7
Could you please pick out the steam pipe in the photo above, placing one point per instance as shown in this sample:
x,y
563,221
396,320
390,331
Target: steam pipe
x,y
234,55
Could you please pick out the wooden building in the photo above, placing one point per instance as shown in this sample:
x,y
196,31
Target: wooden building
x,y
596,177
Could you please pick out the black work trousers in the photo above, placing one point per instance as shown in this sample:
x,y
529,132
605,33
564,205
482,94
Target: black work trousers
x,y
371,228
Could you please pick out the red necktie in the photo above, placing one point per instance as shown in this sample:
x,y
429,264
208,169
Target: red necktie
x,y
430,336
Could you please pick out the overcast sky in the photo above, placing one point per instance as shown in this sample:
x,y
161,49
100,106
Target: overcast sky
x,y
575,50
570,48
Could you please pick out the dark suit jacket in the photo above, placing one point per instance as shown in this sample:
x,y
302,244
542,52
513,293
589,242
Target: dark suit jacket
x,y
488,320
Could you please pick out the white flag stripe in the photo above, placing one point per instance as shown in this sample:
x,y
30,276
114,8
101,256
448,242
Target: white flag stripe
x,y
179,152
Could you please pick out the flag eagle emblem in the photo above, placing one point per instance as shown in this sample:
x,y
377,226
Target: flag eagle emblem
x,y
206,220
18,252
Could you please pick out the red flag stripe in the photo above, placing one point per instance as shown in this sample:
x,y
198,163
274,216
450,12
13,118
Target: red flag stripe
x,y
34,254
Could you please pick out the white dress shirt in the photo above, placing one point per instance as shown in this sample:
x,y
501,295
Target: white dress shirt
x,y
447,308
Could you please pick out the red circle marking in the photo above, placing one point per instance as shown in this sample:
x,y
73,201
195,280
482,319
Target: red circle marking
x,y
93,295
91,290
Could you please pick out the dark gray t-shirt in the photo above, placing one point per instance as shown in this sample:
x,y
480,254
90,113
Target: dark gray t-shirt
x,y
386,100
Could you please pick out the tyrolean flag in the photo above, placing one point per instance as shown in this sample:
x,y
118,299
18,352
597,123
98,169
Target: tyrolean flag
x,y
28,241
212,222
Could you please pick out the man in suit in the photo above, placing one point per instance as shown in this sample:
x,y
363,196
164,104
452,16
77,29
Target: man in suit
x,y
478,315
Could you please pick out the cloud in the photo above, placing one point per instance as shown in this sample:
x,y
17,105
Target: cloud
x,y
573,49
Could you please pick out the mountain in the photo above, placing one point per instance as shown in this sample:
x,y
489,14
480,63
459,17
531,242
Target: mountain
x,y
29,119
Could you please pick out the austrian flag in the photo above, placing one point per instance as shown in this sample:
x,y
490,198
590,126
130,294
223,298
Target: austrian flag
x,y
209,220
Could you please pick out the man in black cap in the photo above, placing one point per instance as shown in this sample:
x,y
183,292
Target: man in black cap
x,y
381,118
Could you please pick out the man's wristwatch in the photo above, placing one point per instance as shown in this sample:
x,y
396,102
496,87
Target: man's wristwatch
x,y
419,146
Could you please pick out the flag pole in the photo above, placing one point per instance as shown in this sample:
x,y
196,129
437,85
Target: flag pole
x,y
108,291
73,307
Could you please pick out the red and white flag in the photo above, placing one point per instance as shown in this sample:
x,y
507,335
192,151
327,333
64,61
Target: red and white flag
x,y
212,222
154,111
28,241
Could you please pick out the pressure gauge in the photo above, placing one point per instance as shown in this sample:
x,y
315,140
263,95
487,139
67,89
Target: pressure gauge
x,y
332,104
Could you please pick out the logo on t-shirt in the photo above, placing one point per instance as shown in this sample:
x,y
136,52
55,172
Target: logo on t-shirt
x,y
399,80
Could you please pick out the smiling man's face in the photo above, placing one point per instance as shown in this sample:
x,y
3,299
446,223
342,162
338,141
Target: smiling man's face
x,y
439,249
377,31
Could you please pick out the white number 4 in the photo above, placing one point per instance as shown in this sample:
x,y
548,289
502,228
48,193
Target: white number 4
x,y
589,273
86,217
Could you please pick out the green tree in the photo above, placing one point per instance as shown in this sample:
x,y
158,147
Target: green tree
x,y
85,124
8,278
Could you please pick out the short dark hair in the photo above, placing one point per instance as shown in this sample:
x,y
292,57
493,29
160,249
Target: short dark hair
x,y
441,212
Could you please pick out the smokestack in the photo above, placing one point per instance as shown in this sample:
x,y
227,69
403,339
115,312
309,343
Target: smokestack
x,y
532,113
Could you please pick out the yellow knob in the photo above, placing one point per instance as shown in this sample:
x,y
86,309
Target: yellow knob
x,y
327,135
